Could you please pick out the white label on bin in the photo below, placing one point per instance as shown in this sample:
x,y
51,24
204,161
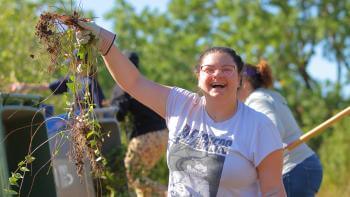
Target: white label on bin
x,y
66,179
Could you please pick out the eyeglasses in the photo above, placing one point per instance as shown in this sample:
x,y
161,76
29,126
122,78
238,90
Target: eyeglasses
x,y
226,70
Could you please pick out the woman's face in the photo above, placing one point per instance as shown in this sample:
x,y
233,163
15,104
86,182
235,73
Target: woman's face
x,y
218,75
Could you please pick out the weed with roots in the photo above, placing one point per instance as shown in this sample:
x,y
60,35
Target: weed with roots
x,y
56,33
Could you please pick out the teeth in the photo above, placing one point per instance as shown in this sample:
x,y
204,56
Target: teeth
x,y
217,84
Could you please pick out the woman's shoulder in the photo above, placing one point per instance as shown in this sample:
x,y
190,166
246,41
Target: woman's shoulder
x,y
183,91
264,95
259,97
261,93
183,94
252,115
181,100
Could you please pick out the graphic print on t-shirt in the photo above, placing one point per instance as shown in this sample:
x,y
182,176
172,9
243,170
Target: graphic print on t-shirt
x,y
196,160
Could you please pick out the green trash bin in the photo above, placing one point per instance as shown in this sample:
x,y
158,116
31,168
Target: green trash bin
x,y
68,183
22,120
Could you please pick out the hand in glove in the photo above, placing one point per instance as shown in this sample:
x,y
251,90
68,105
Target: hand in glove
x,y
91,32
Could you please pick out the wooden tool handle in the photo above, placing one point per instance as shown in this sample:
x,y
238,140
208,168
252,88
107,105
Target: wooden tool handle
x,y
317,130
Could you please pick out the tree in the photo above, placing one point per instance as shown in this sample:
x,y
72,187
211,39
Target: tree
x,y
17,44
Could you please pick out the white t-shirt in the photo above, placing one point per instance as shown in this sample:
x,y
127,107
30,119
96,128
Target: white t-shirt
x,y
275,107
208,158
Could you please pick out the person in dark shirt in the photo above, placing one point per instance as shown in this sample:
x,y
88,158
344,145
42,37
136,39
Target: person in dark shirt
x,y
144,119
90,83
148,140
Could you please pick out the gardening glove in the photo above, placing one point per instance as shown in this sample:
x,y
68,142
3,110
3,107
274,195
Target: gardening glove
x,y
91,32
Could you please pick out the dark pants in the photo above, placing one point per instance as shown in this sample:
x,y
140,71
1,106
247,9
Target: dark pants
x,y
305,179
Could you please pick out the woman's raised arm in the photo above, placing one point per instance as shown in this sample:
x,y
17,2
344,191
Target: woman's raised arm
x,y
130,80
149,93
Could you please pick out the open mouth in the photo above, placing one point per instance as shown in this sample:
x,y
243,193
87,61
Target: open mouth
x,y
218,85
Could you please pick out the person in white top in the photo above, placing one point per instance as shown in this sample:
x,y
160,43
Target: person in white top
x,y
217,146
302,170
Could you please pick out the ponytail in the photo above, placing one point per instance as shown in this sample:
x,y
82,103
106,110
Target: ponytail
x,y
265,72
259,75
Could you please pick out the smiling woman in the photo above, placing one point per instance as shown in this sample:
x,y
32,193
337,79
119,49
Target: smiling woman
x,y
207,134
218,74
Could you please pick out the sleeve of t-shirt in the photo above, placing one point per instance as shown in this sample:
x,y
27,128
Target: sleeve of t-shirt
x,y
265,140
59,86
177,100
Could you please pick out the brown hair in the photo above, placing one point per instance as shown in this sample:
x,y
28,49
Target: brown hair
x,y
236,58
259,75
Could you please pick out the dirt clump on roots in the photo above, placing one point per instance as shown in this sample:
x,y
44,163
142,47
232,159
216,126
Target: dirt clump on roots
x,y
51,28
82,148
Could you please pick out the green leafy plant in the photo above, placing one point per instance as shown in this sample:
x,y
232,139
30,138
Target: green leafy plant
x,y
18,174
56,33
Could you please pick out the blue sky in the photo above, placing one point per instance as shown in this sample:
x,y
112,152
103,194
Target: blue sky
x,y
319,68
